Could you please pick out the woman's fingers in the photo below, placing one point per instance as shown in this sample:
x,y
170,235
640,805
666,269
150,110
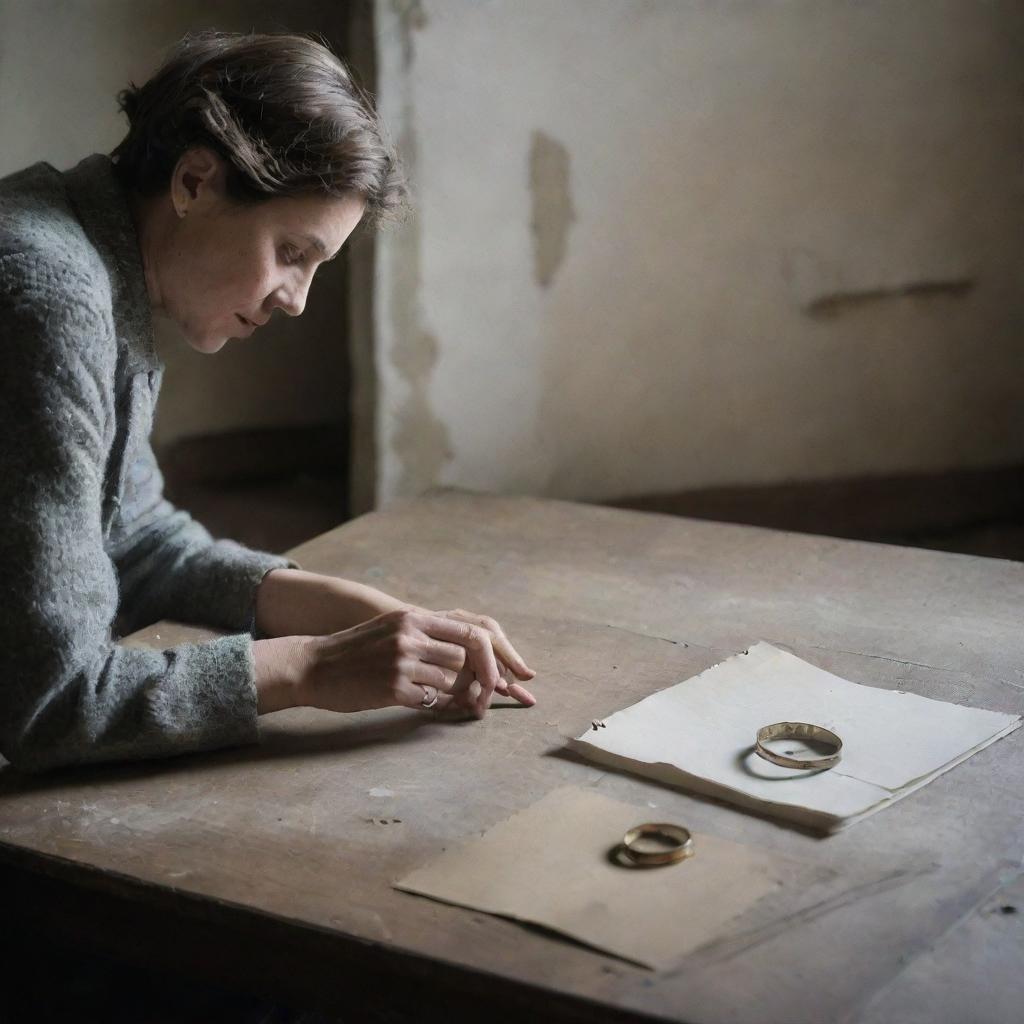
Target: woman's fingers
x,y
421,673
521,694
439,652
479,653
463,658
510,688
510,663
502,645
465,691
424,697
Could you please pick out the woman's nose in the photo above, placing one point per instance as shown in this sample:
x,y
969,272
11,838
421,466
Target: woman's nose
x,y
291,298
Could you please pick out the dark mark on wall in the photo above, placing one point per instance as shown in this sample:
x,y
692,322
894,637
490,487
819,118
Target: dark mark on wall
x,y
420,441
419,438
840,302
411,17
552,212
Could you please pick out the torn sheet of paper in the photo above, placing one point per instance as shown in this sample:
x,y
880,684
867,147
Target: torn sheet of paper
x,y
550,865
700,735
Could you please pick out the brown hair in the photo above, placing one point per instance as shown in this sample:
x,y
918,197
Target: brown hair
x,y
282,110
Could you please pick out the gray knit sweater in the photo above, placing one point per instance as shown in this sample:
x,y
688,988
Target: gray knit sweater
x,y
88,545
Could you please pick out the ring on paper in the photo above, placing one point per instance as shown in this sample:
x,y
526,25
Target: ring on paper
x,y
798,731
673,844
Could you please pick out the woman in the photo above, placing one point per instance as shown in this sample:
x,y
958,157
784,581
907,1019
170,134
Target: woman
x,y
248,162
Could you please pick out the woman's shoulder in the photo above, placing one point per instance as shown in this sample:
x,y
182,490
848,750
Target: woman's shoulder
x,y
55,292
43,245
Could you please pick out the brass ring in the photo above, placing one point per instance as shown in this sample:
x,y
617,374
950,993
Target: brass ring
x,y
798,731
679,838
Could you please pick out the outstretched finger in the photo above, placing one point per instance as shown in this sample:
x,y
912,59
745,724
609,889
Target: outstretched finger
x,y
521,694
466,690
508,687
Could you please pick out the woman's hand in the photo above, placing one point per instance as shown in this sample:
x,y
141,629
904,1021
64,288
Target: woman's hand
x,y
292,603
510,663
412,658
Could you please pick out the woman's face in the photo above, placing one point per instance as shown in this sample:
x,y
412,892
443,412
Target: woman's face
x,y
219,268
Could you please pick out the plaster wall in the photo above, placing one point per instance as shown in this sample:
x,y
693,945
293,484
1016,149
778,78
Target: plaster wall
x,y
61,64
667,244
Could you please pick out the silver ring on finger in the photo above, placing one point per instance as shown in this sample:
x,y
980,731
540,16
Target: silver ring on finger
x,y
429,697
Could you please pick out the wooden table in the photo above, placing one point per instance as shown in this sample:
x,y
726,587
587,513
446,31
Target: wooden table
x,y
272,866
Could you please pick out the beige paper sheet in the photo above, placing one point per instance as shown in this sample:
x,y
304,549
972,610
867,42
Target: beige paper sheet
x,y
549,865
700,733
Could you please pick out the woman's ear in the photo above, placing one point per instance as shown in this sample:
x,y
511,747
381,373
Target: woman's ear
x,y
198,180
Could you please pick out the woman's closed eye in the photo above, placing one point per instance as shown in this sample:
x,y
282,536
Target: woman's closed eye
x,y
292,255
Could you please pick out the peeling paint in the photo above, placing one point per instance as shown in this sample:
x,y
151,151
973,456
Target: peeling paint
x,y
553,212
420,439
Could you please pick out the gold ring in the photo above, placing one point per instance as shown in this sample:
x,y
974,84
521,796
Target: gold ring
x,y
798,731
678,840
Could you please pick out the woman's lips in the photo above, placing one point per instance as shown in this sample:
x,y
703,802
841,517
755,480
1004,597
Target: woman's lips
x,y
247,324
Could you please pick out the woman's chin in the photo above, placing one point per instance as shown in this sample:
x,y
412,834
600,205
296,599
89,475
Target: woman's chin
x,y
206,343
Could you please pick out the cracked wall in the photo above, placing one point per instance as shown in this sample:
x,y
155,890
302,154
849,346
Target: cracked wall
x,y
721,244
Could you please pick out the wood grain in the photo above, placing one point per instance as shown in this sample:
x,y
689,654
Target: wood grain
x,y
298,839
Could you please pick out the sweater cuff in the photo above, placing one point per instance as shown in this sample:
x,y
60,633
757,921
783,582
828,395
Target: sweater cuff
x,y
230,601
216,693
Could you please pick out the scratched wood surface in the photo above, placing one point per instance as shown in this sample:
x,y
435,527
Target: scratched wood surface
x,y
313,825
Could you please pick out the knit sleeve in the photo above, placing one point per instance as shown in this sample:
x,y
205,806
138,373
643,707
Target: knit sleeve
x,y
67,693
169,567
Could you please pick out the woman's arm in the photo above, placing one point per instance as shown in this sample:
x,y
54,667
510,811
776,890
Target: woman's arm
x,y
292,602
69,693
168,565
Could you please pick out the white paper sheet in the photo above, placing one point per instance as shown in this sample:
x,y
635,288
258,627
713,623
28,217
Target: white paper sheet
x,y
699,734
549,865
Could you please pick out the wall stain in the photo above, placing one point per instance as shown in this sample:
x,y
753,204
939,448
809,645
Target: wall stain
x,y
828,306
411,18
552,209
418,438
